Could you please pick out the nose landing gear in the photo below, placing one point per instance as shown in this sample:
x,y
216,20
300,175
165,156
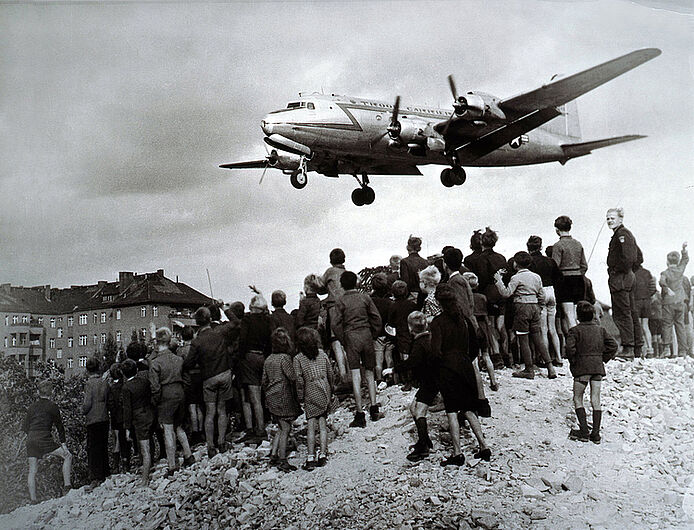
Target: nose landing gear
x,y
299,177
364,194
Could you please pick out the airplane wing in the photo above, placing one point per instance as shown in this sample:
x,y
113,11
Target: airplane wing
x,y
487,143
251,164
569,88
389,169
585,148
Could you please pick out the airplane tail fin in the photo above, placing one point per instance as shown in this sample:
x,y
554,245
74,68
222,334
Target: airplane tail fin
x,y
585,148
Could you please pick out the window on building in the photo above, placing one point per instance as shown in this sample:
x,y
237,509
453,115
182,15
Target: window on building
x,y
144,333
14,340
103,318
40,320
60,320
60,333
83,361
155,311
59,353
15,319
69,363
94,339
103,338
25,319
51,342
70,321
53,322
143,311
117,314
84,319
70,342
118,336
94,318
7,320
6,342
22,339
83,340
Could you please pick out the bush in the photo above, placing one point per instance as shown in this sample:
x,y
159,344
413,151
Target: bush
x,y
17,393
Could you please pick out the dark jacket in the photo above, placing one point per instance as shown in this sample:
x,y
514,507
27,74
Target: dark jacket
x,y
115,403
211,349
409,270
623,253
383,303
420,362
255,332
588,347
281,319
41,416
644,286
137,400
165,369
95,398
309,309
545,267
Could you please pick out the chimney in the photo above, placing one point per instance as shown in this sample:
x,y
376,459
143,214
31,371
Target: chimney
x,y
160,272
5,287
47,292
124,280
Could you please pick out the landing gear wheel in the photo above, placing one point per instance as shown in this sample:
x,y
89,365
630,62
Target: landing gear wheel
x,y
369,195
359,197
298,179
458,176
447,178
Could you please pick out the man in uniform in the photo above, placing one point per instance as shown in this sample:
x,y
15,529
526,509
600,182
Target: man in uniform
x,y
623,256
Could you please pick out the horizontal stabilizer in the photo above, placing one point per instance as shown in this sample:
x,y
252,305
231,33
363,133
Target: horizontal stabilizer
x,y
567,88
585,148
251,164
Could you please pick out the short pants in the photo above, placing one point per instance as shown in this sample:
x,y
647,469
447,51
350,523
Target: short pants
x,y
526,318
427,393
588,378
171,407
40,443
359,345
643,307
217,388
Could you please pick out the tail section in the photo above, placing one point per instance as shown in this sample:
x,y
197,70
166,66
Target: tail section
x,y
585,148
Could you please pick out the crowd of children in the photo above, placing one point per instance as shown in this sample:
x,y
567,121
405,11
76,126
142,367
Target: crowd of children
x,y
431,324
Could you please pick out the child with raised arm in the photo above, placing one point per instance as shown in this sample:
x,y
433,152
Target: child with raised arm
x,y
671,282
315,383
588,347
42,415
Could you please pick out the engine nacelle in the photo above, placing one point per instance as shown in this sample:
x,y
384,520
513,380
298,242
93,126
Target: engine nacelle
x,y
412,132
478,106
284,161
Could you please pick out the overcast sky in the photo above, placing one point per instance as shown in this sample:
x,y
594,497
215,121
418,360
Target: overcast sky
x,y
114,119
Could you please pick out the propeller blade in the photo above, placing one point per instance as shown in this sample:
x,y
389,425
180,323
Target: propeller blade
x,y
396,110
454,91
263,175
448,124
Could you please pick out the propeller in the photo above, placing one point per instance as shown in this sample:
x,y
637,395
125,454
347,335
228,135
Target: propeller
x,y
271,159
395,128
460,104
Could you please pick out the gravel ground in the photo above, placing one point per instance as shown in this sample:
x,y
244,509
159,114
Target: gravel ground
x,y
639,477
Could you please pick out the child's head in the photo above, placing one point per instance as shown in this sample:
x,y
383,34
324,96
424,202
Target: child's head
x,y
281,342
673,258
215,312
394,262
476,241
585,312
307,340
258,304
416,322
534,244
136,350
45,388
429,278
237,309
548,251
116,372
379,282
399,290
163,336
187,333
348,280
93,365
278,299
312,284
522,260
472,279
129,368
563,223
337,256
414,244
202,316
489,238
453,258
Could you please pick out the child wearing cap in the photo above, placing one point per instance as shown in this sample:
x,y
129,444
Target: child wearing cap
x,y
41,416
588,347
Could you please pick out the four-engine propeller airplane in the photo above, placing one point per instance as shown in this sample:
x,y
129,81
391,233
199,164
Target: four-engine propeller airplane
x,y
333,135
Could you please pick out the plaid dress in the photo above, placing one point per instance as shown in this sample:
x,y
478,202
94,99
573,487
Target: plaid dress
x,y
315,381
279,381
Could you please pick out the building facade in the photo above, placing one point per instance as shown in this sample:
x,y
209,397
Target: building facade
x,y
65,327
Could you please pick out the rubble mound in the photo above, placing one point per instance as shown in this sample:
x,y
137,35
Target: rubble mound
x,y
639,476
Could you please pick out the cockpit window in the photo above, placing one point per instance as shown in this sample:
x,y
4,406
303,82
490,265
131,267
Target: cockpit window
x,y
293,105
310,106
300,105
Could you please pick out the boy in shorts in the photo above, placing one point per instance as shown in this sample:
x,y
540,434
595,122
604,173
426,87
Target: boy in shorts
x,y
588,348
526,289
356,322
42,415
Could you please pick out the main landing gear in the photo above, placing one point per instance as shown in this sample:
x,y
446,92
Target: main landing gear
x,y
299,177
453,176
364,194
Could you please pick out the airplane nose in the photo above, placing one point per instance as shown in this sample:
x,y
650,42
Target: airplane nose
x,y
266,126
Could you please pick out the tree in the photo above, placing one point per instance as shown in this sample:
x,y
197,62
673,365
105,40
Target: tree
x,y
110,350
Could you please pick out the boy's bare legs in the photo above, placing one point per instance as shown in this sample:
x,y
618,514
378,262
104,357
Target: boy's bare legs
x,y
647,338
311,437
454,429
341,358
371,386
569,310
183,440
323,432
476,427
256,402
544,355
31,478
356,388
146,460
222,421
597,410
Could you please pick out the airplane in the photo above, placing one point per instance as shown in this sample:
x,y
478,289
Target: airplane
x,y
334,134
